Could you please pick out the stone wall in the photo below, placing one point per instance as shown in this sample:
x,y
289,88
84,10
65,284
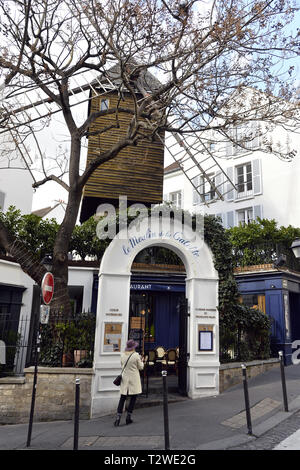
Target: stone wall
x,y
231,374
55,395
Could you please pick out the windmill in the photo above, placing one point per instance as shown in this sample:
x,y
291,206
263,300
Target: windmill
x,y
22,109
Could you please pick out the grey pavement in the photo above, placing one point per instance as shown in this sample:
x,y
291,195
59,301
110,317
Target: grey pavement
x,y
214,423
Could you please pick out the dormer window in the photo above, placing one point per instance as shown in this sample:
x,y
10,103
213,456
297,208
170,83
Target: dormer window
x,y
104,104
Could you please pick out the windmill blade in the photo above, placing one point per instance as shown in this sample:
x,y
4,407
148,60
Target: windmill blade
x,y
197,162
22,108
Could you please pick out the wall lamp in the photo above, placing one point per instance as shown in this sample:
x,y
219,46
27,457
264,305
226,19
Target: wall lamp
x,y
296,247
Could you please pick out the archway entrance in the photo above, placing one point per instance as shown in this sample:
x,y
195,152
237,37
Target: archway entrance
x,y
113,312
157,318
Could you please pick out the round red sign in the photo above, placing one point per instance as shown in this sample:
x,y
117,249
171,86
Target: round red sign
x,y
47,287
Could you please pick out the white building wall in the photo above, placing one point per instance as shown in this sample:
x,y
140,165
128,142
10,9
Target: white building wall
x,y
278,198
17,188
81,276
15,180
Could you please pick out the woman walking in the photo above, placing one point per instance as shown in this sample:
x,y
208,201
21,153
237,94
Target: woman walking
x,y
131,363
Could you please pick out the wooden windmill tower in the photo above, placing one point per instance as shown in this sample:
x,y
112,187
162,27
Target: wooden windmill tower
x,y
137,171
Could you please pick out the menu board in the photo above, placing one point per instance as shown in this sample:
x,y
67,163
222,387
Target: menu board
x,y
137,322
112,337
205,338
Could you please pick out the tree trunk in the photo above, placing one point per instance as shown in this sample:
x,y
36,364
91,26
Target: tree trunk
x,y
22,255
61,299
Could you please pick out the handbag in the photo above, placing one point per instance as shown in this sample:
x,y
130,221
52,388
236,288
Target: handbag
x,y
118,379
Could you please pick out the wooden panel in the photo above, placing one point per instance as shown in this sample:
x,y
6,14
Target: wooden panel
x,y
136,172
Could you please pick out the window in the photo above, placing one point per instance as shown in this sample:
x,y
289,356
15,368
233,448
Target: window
x,y
243,138
176,199
212,146
245,216
256,301
244,184
206,189
104,104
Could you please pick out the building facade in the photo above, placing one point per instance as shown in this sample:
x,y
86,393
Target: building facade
x,y
265,184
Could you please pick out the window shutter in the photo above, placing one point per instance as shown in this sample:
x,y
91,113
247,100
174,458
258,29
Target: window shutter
x,y
219,181
229,219
256,132
2,197
229,188
256,175
257,212
196,195
221,216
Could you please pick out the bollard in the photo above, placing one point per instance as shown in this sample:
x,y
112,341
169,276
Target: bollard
x,y
285,400
76,415
166,415
247,403
36,361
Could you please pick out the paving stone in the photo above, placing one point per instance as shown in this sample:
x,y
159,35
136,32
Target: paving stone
x,y
272,439
114,442
257,411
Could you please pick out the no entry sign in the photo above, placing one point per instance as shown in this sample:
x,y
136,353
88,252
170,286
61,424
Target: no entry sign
x,y
47,287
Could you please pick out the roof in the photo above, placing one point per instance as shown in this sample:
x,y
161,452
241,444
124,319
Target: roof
x,y
144,80
171,168
45,210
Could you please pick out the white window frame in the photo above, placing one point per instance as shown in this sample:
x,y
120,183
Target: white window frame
x,y
246,212
206,190
246,192
178,199
238,134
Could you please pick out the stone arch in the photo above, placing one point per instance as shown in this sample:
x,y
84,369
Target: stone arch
x,y
113,308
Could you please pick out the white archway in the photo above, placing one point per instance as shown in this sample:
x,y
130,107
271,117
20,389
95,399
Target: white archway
x,y
113,310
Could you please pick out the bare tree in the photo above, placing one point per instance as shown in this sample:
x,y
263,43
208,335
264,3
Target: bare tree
x,y
204,55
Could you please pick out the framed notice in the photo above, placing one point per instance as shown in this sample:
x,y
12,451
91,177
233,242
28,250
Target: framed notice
x,y
112,337
137,323
205,338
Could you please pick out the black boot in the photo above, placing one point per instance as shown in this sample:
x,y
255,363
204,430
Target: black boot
x,y
117,421
128,419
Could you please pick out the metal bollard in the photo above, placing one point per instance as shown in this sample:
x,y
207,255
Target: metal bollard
x,y
76,416
247,402
34,385
166,415
285,400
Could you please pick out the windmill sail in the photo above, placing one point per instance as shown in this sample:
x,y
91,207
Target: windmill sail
x,y
21,109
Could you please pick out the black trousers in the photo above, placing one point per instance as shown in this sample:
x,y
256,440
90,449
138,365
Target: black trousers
x,y
131,403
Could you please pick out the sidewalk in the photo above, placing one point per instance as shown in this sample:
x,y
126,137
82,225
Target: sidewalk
x,y
207,423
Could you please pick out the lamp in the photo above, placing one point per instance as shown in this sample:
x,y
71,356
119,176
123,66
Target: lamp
x,y
296,247
47,262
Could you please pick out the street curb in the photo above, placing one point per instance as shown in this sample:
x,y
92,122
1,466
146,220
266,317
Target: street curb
x,y
258,430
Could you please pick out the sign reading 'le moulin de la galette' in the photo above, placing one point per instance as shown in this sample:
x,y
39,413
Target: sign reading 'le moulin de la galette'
x,y
178,237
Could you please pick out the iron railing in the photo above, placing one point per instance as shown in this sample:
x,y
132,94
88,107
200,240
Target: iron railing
x,y
266,253
68,342
64,342
15,338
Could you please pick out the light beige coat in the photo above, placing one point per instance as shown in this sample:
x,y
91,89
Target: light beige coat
x,y
131,381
